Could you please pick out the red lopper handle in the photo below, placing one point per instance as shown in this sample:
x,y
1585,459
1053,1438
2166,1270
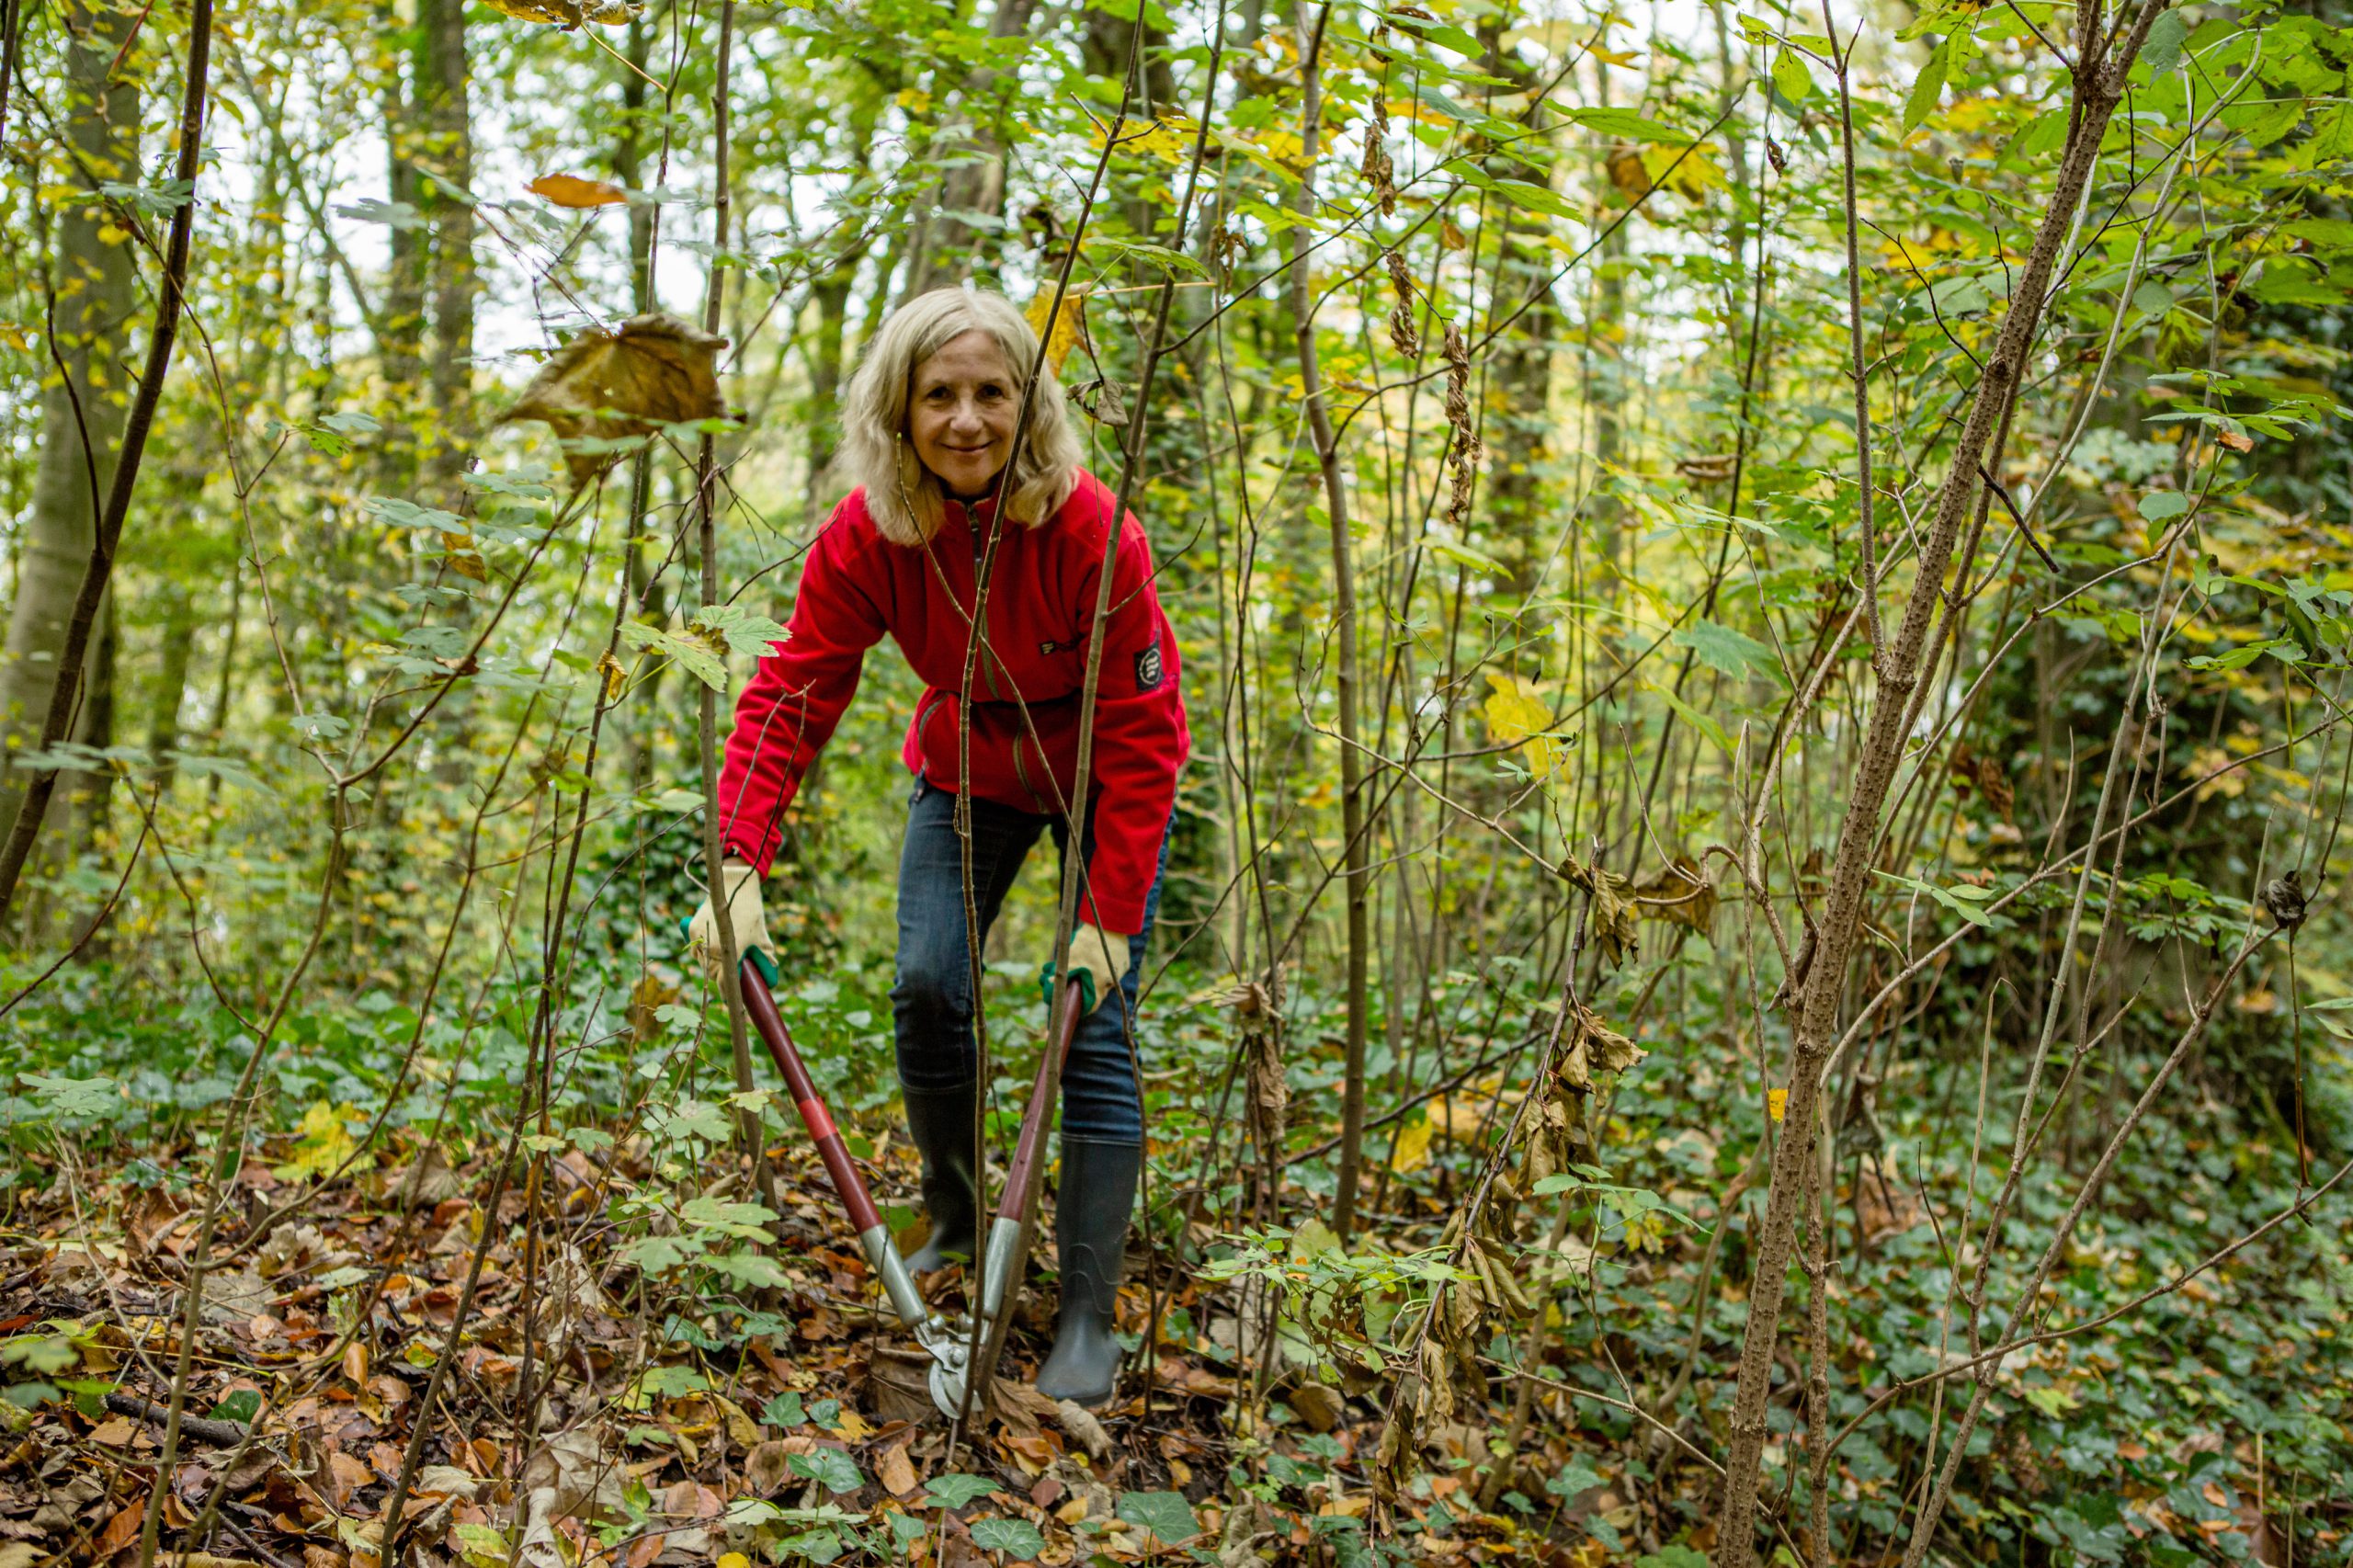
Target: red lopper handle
x,y
770,1025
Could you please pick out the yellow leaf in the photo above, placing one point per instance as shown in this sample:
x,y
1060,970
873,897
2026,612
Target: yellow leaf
x,y
1413,1146
615,677
1513,709
1777,1103
1068,330
324,1147
571,191
733,1560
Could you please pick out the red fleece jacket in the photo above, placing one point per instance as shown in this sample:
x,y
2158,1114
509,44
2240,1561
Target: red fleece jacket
x,y
856,586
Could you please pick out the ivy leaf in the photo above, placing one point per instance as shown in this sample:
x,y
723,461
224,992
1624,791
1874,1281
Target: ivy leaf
x,y
1165,1514
955,1489
1016,1539
830,1466
784,1410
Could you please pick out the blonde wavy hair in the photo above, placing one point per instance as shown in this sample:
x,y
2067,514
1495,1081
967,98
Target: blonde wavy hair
x,y
902,496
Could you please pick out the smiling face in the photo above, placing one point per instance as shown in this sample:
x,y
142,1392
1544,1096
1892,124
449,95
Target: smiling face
x,y
961,404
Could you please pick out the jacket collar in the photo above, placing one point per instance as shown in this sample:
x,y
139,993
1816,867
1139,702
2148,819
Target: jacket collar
x,y
973,515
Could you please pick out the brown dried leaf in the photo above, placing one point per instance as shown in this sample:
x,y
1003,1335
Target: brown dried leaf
x,y
649,371
1681,896
1614,919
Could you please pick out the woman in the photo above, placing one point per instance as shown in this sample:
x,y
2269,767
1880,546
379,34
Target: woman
x,y
942,477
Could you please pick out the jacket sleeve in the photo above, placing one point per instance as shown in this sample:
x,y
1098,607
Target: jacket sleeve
x,y
1139,741
796,695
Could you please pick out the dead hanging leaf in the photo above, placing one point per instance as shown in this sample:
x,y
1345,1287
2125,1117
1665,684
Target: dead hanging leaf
x,y
649,371
646,1000
615,677
569,13
1712,468
1270,1095
1595,1048
1102,402
1450,235
1614,920
574,191
1681,896
463,558
1068,328
1629,172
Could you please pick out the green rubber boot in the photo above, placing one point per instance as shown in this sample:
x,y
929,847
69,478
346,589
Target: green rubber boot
x,y
1093,1202
940,1123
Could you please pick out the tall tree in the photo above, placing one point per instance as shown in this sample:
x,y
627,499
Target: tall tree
x,y
93,290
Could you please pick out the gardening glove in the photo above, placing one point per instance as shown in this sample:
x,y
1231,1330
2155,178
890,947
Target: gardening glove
x,y
1105,953
744,912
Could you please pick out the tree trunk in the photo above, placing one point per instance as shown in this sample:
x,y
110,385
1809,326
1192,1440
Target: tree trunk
x,y
171,685
442,105
95,293
400,345
949,244
1521,361
1356,851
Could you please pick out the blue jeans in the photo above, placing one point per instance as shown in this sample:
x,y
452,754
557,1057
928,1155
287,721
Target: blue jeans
x,y
931,1005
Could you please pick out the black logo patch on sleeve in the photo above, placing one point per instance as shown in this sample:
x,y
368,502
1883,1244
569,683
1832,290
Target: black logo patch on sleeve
x,y
1148,669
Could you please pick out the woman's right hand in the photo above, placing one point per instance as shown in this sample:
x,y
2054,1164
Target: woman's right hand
x,y
745,915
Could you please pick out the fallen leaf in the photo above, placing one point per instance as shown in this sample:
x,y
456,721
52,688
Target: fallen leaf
x,y
895,1472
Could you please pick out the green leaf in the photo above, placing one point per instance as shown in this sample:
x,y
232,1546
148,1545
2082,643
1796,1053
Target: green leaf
x,y
671,1381
831,1466
784,1410
1790,77
403,514
696,657
750,1220
745,632
1921,102
1165,1514
955,1489
72,1097
1627,125
2167,35
240,1407
1697,720
1728,651
41,1353
1016,1539
1577,1478
659,1255
751,1270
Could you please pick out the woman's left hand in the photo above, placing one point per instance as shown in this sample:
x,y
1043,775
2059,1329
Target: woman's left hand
x,y
1105,953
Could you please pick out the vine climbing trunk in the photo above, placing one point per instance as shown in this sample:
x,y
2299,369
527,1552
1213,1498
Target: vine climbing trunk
x,y
2099,72
98,570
